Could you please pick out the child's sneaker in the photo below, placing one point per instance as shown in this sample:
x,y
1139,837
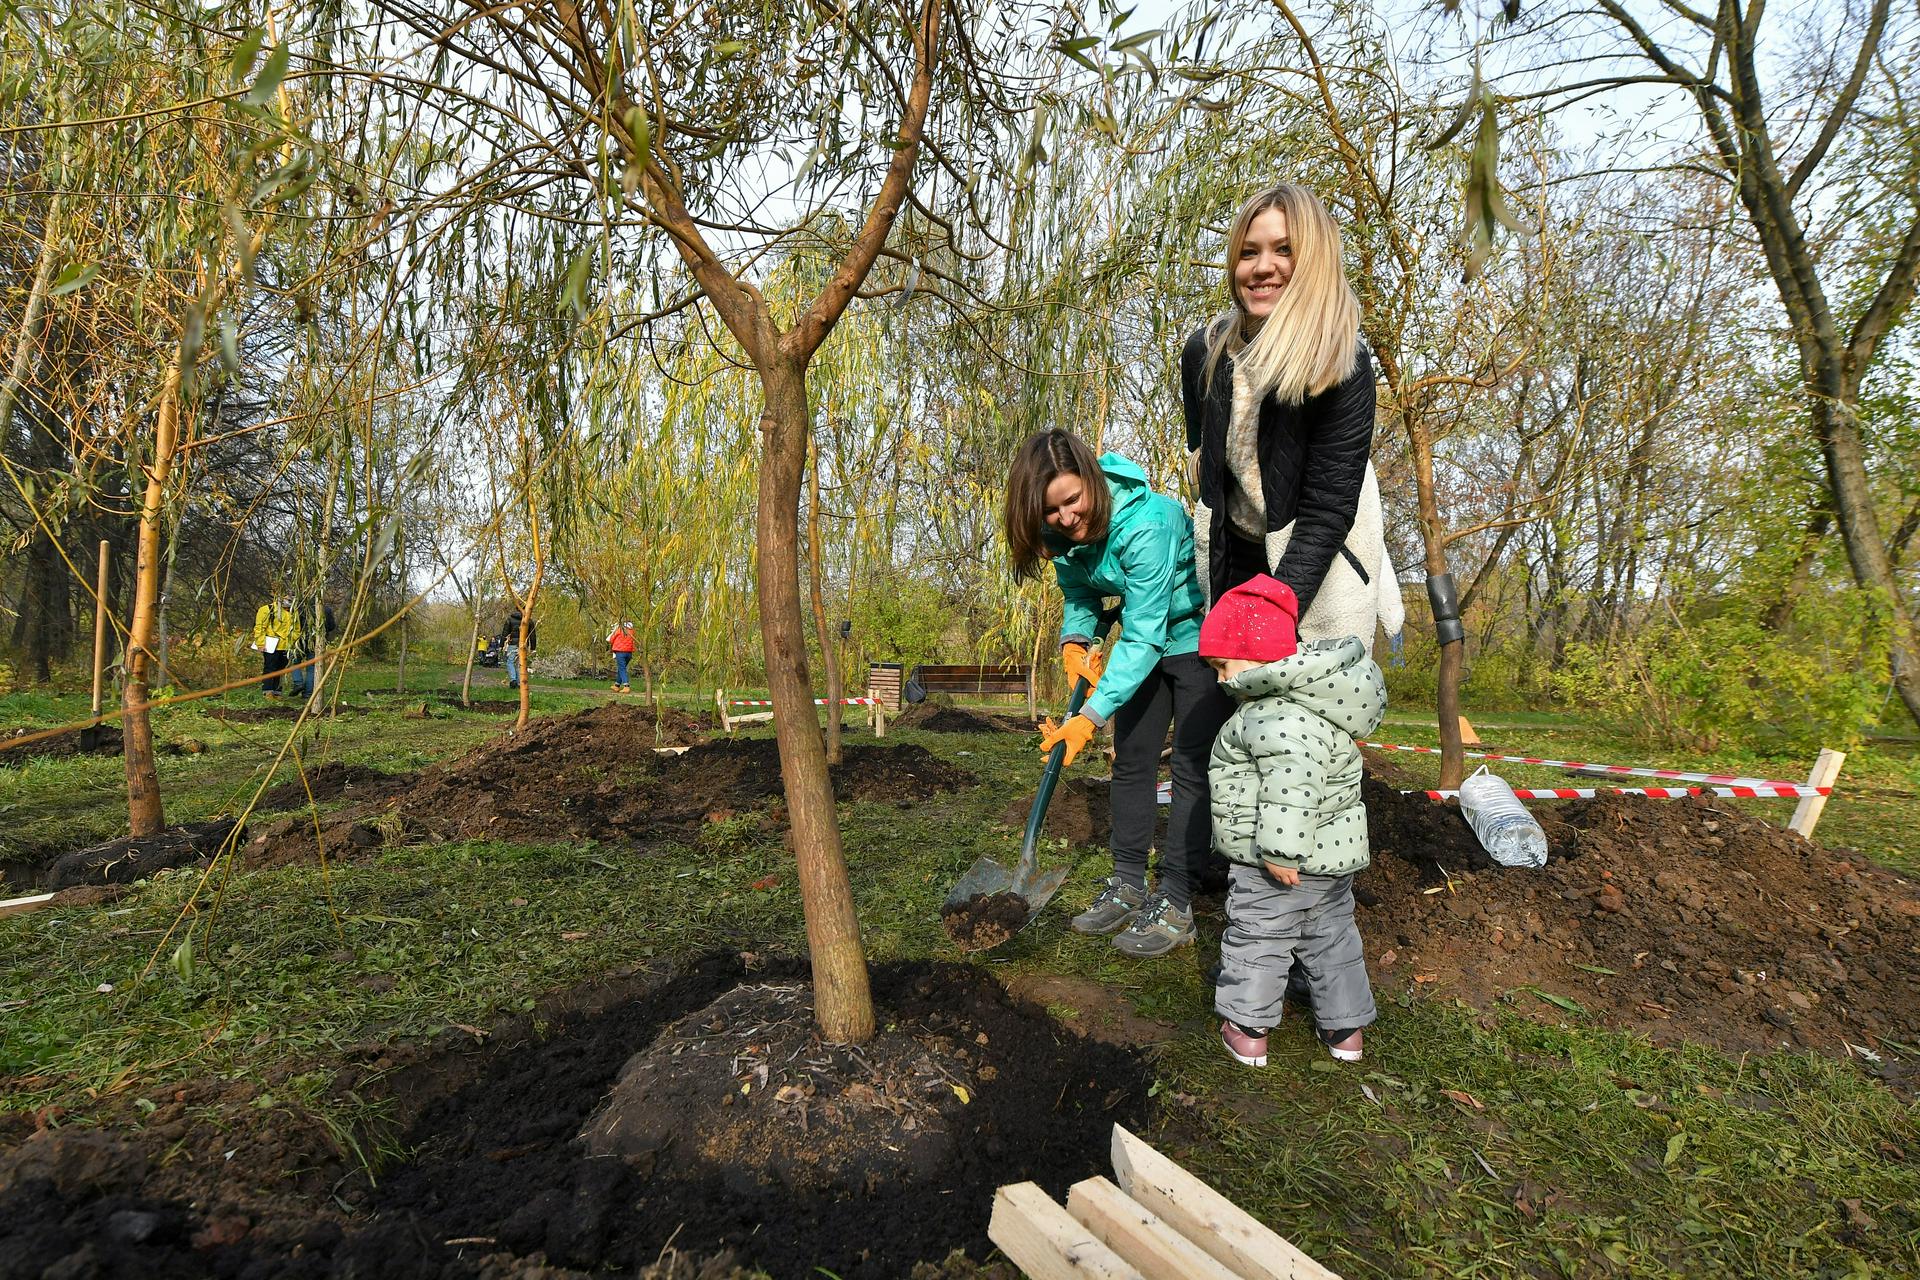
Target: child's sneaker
x,y
1246,1045
1344,1045
1157,928
1111,909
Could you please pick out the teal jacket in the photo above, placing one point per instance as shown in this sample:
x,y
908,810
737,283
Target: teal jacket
x,y
1146,558
1285,772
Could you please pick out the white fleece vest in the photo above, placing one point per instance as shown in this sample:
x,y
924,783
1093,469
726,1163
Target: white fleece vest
x,y
1344,605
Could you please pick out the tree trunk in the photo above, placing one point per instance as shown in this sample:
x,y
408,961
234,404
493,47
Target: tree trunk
x,y
163,650
1836,424
145,815
842,996
400,681
526,613
828,657
473,644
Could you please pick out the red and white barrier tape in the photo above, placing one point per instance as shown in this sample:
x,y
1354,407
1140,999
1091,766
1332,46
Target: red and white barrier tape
x,y
818,702
1788,790
1768,786
1784,789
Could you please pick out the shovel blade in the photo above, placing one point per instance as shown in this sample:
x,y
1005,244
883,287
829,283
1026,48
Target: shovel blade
x,y
985,876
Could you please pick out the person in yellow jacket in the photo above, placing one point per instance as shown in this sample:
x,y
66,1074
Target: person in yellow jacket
x,y
276,631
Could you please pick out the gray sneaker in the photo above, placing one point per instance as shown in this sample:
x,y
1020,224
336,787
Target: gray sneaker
x,y
1157,928
1114,907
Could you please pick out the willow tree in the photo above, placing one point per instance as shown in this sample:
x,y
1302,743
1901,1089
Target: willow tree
x,y
1810,125
701,148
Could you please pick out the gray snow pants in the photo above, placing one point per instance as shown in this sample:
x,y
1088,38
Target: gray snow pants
x,y
1270,926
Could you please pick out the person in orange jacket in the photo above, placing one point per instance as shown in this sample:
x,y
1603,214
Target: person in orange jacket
x,y
620,640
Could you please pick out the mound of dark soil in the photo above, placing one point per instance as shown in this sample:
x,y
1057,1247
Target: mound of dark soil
x,y
289,709
738,1131
130,858
939,719
595,775
108,743
332,781
1679,919
1081,812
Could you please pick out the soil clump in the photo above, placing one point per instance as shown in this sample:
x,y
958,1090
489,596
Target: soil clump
x,y
129,858
331,782
717,1122
595,775
108,742
1679,919
984,920
939,719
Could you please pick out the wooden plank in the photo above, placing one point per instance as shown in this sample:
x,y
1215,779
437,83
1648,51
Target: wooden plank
x,y
1806,814
1201,1214
1138,1234
20,906
1045,1242
1468,738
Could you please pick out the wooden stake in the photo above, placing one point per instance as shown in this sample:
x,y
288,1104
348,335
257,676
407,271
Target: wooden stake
x,y
100,632
1222,1228
1468,738
1045,1242
1806,815
20,906
720,701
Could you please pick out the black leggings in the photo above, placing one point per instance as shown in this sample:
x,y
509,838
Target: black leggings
x,y
1181,690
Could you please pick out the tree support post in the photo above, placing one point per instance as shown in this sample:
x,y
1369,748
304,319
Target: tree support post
x,y
1806,815
90,736
1451,636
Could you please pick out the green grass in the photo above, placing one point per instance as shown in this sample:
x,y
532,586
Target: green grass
x,y
1590,1153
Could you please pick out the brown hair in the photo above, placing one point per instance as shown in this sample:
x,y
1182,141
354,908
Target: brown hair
x,y
1045,456
1312,339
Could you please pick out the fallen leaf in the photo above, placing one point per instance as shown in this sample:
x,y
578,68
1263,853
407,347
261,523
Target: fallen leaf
x,y
1426,977
573,935
960,1092
1464,1098
1858,1216
765,882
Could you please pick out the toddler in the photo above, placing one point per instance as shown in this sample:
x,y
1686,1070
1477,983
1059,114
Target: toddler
x,y
1285,781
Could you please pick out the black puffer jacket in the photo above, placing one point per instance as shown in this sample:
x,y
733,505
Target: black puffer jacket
x,y
1313,464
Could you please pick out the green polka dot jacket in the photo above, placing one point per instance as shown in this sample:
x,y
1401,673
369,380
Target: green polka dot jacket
x,y
1285,773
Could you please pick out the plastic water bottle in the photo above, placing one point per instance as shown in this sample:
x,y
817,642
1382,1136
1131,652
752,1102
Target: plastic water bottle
x,y
1500,822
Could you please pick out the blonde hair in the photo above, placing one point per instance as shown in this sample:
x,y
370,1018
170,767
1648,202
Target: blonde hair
x,y
1311,340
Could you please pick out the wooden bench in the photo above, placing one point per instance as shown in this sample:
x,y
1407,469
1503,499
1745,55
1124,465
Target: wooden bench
x,y
929,678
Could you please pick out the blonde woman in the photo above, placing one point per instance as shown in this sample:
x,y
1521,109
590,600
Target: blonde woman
x,y
1279,407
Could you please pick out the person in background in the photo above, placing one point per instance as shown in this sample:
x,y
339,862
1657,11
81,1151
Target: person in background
x,y
510,644
620,640
276,631
300,680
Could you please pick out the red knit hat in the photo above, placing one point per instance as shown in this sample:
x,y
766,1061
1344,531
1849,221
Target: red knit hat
x,y
1254,621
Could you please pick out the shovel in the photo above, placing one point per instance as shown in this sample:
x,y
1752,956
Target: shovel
x,y
986,878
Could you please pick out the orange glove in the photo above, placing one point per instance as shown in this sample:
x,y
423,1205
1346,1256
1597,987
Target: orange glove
x,y
1076,733
1079,664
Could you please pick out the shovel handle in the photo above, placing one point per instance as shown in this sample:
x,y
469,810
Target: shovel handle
x,y
1050,778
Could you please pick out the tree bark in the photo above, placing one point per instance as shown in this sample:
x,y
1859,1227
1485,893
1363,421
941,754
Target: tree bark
x,y
842,996
473,643
828,657
145,814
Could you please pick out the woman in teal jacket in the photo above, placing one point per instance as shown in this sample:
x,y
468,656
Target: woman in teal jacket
x,y
1107,533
